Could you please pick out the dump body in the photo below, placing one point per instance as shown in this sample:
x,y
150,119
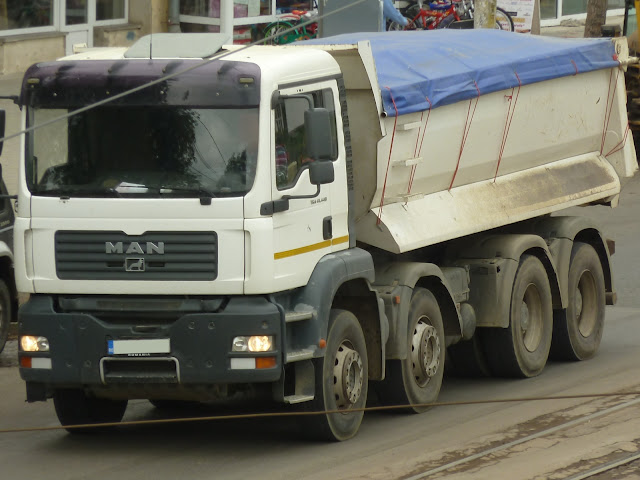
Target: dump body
x,y
466,131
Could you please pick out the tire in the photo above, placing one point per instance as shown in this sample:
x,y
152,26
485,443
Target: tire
x,y
578,335
504,20
466,359
341,381
74,407
416,380
5,313
522,349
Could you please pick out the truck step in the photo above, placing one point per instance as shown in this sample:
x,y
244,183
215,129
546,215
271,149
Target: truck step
x,y
297,316
297,398
298,355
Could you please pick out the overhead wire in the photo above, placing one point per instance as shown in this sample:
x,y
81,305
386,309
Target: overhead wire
x,y
287,414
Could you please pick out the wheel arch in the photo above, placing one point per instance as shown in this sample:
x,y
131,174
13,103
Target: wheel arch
x,y
404,277
340,280
560,233
492,299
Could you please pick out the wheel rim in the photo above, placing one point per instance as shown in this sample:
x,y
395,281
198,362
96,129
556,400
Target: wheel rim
x,y
531,321
585,308
425,352
348,376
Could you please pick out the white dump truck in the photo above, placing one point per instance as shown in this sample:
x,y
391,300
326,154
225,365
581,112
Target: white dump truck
x,y
304,223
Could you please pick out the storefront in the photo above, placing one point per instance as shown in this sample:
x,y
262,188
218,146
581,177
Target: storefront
x,y
245,16
36,30
553,12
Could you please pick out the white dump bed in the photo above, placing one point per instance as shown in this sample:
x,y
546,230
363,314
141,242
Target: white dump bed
x,y
473,130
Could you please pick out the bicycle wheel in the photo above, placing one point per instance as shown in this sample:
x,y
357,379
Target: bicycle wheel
x,y
504,20
415,20
273,33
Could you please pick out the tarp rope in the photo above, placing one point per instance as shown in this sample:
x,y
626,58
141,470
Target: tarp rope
x,y
507,124
611,95
386,175
465,132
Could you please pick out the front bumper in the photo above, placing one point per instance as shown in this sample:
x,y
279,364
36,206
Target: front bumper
x,y
195,348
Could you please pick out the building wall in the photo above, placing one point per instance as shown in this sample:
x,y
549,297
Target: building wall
x,y
151,15
19,52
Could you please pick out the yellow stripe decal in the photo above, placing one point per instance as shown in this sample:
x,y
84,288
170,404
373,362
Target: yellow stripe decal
x,y
339,240
310,248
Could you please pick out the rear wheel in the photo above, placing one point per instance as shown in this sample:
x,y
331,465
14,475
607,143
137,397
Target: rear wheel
x,y
504,20
5,313
522,349
416,380
74,407
577,337
341,380
467,359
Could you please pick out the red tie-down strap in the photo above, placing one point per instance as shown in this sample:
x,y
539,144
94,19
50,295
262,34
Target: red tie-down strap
x,y
507,124
465,132
386,175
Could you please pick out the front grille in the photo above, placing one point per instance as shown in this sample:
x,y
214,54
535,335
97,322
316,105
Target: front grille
x,y
151,256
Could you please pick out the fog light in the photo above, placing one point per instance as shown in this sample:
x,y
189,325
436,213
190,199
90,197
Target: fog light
x,y
255,343
32,343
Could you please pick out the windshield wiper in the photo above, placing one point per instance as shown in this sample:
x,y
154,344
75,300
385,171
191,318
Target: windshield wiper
x,y
68,192
201,192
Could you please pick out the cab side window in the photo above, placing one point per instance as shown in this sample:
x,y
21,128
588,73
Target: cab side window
x,y
291,136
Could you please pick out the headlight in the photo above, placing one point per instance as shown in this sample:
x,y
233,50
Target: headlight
x,y
255,343
32,343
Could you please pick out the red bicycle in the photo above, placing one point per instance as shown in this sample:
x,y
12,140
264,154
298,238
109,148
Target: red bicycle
x,y
442,13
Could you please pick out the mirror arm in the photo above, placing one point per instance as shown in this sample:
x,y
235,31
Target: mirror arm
x,y
11,197
14,98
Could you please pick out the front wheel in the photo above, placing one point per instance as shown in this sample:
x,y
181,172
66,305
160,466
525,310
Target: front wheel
x,y
416,380
74,407
341,380
504,20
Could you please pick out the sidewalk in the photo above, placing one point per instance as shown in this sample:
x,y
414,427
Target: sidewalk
x,y
575,28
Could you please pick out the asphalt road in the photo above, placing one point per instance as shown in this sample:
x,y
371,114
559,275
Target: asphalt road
x,y
390,445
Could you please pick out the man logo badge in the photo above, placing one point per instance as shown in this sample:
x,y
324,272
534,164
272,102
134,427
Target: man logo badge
x,y
134,264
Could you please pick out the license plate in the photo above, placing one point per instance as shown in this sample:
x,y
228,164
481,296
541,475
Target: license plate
x,y
139,347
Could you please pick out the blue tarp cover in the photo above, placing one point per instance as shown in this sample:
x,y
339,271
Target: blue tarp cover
x,y
444,66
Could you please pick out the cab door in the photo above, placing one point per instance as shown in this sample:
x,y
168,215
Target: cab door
x,y
304,232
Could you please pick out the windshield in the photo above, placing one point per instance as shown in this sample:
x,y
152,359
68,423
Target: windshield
x,y
144,151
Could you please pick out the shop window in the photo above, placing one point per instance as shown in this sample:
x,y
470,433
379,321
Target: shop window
x,y
110,9
200,8
548,9
287,6
16,14
76,12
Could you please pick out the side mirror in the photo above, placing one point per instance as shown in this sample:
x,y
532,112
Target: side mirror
x,y
321,173
320,126
3,117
